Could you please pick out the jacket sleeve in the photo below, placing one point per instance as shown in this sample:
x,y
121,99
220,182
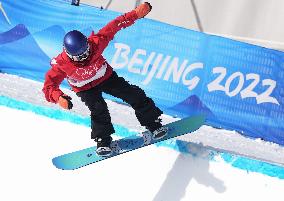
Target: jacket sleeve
x,y
107,33
53,79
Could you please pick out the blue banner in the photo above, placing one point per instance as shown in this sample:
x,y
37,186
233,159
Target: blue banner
x,y
239,86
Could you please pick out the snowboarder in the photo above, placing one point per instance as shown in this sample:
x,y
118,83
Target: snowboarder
x,y
89,74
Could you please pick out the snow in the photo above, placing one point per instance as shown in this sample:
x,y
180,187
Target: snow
x,y
159,173
30,141
220,139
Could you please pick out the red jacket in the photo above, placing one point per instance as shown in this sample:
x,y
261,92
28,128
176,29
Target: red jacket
x,y
83,76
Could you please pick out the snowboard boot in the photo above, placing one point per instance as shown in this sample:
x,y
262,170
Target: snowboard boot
x,y
103,146
160,133
157,129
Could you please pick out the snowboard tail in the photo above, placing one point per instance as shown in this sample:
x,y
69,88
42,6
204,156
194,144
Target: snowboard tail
x,y
88,156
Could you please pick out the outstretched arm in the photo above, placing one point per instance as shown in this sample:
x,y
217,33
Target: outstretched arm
x,y
107,33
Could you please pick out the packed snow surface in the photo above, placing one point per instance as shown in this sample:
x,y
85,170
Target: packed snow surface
x,y
154,173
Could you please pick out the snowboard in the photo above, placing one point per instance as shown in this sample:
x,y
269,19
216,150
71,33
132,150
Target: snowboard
x,y
81,158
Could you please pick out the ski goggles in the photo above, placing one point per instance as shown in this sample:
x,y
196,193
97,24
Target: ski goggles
x,y
80,57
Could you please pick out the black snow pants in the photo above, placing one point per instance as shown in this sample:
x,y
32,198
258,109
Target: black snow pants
x,y
145,109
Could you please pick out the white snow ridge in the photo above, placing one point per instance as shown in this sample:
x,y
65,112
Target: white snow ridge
x,y
154,173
